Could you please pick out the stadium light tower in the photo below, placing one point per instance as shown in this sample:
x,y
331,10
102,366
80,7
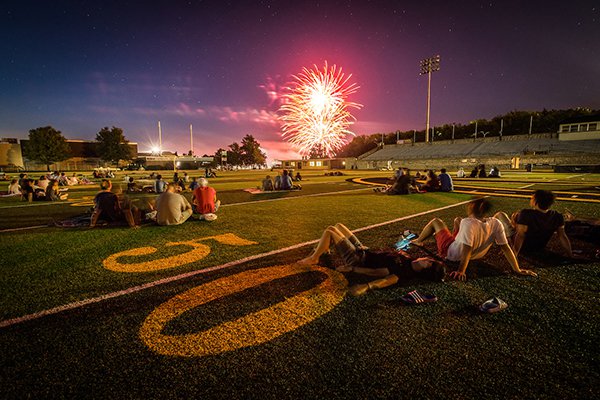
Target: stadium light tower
x,y
428,66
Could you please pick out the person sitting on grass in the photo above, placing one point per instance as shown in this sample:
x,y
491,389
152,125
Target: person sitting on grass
x,y
267,184
27,191
171,207
194,184
205,201
432,183
532,228
446,184
159,184
471,239
107,207
14,188
53,192
132,187
286,181
389,266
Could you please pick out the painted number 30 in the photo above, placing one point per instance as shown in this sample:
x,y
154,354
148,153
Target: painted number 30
x,y
250,330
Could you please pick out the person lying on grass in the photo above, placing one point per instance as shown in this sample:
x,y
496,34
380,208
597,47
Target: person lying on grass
x,y
532,228
108,208
388,265
471,238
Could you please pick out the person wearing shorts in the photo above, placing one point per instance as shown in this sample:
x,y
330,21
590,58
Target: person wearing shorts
x,y
471,238
388,265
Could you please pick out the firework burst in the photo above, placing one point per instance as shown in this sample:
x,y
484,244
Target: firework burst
x,y
315,112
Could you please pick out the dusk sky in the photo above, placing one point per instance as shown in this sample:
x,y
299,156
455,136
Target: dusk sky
x,y
83,65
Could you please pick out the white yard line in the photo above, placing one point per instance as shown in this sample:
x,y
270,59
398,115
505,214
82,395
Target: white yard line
x,y
134,289
575,176
527,186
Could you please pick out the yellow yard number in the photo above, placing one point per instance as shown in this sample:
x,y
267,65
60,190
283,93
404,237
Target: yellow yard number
x,y
251,330
197,253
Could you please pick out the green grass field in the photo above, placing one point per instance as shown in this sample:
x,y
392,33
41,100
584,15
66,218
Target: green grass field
x,y
219,310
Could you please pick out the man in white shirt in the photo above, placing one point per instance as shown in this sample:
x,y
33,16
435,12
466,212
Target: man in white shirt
x,y
472,238
172,208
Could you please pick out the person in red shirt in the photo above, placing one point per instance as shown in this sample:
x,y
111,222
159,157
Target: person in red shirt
x,y
205,200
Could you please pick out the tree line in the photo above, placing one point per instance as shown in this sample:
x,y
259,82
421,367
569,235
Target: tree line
x,y
511,123
48,146
248,153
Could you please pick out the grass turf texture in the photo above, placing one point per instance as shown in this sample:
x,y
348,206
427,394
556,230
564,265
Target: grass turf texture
x,y
543,345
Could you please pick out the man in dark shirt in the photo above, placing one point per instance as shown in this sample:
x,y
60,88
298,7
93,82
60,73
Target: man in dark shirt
x,y
533,227
107,207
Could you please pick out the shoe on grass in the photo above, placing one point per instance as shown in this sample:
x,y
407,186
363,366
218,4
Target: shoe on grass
x,y
493,305
415,297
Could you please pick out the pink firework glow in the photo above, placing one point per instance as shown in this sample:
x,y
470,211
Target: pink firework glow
x,y
315,112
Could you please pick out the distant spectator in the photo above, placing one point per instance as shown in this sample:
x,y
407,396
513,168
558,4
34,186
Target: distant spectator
x,y
132,187
432,183
482,173
267,184
400,184
194,184
186,177
53,192
205,200
298,177
533,227
108,208
494,172
159,184
172,208
43,182
22,178
399,172
73,180
446,184
176,177
27,190
474,172
286,181
277,183
460,173
14,187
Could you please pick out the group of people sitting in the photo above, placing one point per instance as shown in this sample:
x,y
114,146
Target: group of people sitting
x,y
283,181
169,208
526,231
42,189
479,172
404,183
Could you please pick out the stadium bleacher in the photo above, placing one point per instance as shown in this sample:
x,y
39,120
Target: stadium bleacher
x,y
475,149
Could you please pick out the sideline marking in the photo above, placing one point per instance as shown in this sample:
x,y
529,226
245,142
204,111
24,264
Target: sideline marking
x,y
85,302
526,186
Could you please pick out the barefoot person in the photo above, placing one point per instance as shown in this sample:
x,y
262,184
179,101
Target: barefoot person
x,y
388,265
471,239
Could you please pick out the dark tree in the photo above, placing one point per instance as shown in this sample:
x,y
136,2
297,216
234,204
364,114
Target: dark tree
x,y
251,152
47,145
112,145
234,155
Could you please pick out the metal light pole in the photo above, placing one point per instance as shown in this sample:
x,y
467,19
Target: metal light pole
x,y
428,66
191,141
159,140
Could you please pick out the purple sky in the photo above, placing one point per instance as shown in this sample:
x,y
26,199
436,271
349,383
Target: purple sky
x,y
82,65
